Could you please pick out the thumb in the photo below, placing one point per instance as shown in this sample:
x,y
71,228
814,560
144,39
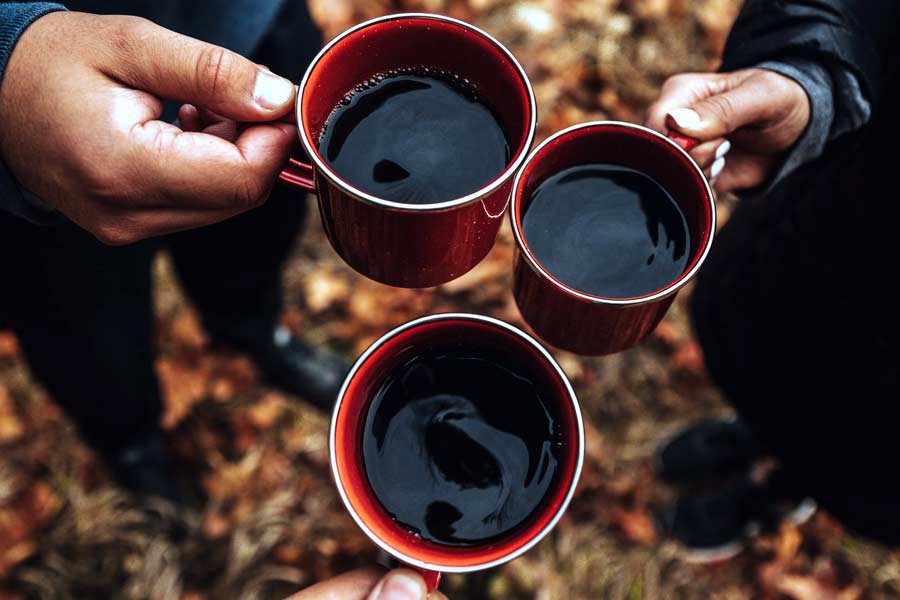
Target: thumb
x,y
402,584
177,67
742,100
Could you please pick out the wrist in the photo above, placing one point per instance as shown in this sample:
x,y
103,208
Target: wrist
x,y
15,18
816,83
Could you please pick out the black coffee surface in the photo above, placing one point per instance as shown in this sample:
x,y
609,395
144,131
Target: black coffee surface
x,y
414,139
608,231
462,448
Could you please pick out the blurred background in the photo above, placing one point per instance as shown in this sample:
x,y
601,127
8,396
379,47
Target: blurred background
x,y
268,520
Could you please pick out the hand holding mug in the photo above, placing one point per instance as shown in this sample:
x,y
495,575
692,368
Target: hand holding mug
x,y
371,584
760,112
80,106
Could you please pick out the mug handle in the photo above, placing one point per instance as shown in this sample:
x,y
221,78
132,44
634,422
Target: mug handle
x,y
299,175
684,142
432,578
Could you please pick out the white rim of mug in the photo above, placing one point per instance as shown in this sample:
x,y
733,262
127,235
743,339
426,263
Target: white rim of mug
x,y
573,484
323,167
668,290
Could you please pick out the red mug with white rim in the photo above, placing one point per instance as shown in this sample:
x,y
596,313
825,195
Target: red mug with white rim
x,y
584,323
379,362
398,244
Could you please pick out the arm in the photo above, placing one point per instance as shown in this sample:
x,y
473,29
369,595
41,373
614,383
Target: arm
x,y
14,20
836,55
857,36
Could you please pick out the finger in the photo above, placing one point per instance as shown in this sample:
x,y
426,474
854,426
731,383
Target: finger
x,y
177,169
219,126
745,101
225,129
123,227
715,169
193,119
355,585
707,152
189,118
680,90
400,584
177,67
744,171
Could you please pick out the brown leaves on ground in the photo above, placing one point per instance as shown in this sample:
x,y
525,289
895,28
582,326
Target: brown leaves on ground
x,y
22,514
792,574
268,519
11,426
9,346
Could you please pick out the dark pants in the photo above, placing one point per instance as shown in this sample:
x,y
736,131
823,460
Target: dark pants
x,y
83,312
799,325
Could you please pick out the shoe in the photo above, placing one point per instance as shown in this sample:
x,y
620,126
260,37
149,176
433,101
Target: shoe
x,y
714,527
300,369
143,467
707,450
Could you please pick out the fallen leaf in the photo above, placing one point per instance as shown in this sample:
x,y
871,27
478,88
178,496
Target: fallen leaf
x,y
183,386
667,334
186,331
288,554
11,427
9,345
635,524
215,525
267,410
688,357
776,579
323,289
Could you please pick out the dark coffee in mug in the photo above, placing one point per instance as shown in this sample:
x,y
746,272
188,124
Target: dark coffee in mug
x,y
607,230
417,136
461,445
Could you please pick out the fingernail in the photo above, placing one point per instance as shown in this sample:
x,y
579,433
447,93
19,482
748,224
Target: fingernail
x,y
685,117
717,168
271,91
398,586
723,149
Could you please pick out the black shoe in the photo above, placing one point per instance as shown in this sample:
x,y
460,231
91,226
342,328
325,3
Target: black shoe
x,y
303,370
143,467
714,527
707,450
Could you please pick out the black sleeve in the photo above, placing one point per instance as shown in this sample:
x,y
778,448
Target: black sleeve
x,y
859,35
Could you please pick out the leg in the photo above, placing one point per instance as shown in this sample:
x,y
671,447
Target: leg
x,y
796,320
232,270
82,312
233,273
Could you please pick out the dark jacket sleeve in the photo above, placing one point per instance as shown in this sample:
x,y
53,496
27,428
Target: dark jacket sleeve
x,y
842,52
15,17
858,35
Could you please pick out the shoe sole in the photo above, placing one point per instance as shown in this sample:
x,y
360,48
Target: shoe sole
x,y
801,514
707,556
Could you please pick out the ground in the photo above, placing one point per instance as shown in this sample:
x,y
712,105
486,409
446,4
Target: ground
x,y
267,519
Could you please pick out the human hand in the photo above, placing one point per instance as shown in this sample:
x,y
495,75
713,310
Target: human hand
x,y
79,107
760,112
371,584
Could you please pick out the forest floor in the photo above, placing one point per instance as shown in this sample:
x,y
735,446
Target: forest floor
x,y
268,520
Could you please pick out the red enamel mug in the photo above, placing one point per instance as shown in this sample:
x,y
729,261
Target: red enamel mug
x,y
594,325
400,244
348,423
